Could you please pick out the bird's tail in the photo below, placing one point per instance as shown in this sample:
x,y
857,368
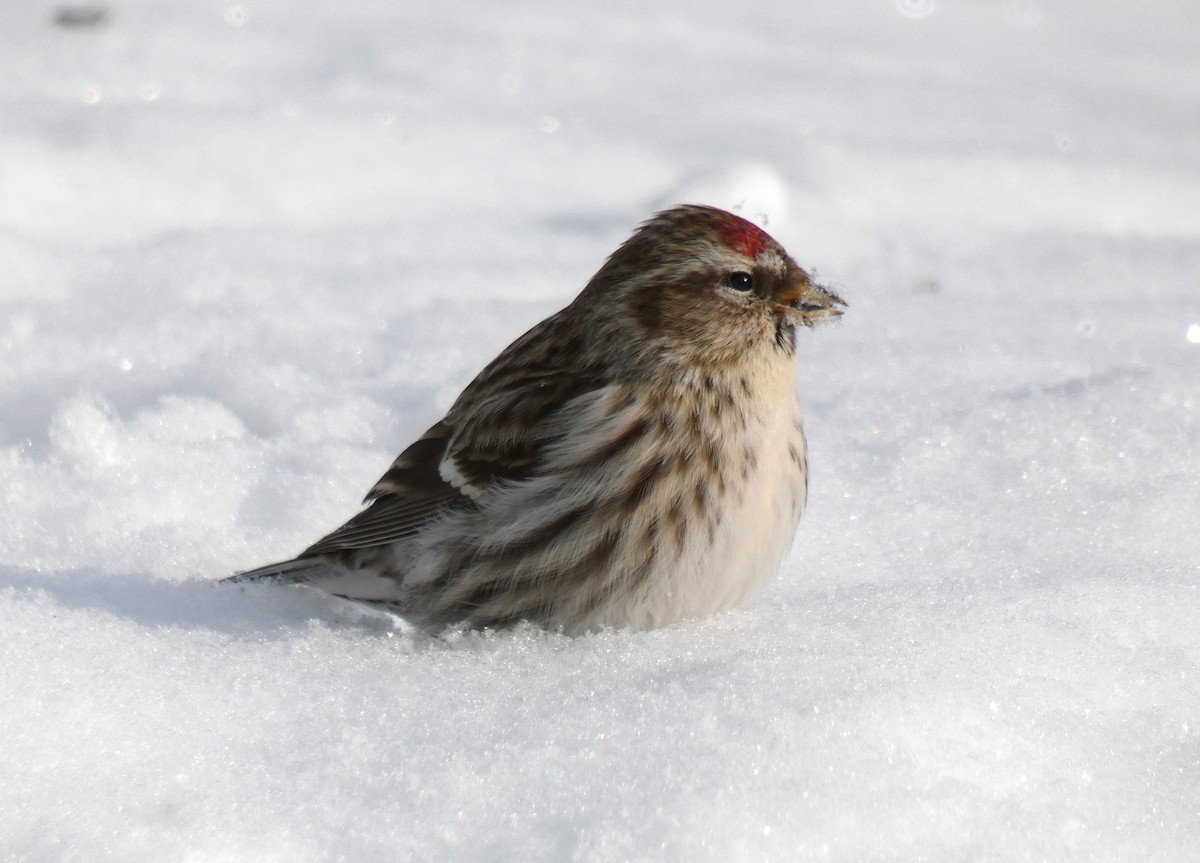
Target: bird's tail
x,y
296,571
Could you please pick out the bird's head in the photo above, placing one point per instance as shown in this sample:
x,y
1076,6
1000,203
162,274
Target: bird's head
x,y
705,286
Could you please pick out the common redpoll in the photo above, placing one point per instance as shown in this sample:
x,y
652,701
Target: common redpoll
x,y
633,460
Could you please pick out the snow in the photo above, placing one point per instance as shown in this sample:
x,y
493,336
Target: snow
x,y
248,251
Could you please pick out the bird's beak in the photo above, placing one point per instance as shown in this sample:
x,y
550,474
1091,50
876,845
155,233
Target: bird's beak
x,y
806,302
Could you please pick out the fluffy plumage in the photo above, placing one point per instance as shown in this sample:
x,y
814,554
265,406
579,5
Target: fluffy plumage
x,y
635,459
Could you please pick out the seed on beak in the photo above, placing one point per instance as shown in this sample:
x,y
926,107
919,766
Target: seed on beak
x,y
815,303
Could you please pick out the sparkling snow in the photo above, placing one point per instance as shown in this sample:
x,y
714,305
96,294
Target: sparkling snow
x,y
248,251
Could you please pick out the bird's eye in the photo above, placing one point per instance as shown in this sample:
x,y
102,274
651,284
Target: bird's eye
x,y
739,281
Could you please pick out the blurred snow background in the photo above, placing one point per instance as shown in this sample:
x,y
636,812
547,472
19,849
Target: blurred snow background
x,y
248,251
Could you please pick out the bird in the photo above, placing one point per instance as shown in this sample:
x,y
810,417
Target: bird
x,y
636,459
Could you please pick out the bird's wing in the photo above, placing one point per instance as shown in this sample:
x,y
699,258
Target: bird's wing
x,y
498,431
519,406
407,497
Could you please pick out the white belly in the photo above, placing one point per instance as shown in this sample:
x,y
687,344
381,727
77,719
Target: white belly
x,y
754,531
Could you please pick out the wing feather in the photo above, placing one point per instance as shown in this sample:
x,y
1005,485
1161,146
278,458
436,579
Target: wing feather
x,y
407,497
497,431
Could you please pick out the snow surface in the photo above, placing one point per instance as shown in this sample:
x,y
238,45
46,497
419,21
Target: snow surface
x,y
248,251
